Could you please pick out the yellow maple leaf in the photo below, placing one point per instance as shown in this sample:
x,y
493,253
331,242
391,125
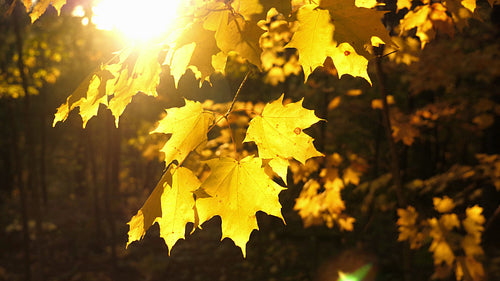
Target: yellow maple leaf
x,y
92,91
313,37
278,132
139,73
316,206
280,167
234,33
170,204
254,10
201,56
177,206
351,176
314,42
474,221
188,126
40,6
238,190
442,251
401,4
443,205
134,69
418,18
355,25
428,19
347,61
408,228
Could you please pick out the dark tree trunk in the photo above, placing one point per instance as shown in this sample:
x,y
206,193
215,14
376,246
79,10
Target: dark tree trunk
x,y
29,145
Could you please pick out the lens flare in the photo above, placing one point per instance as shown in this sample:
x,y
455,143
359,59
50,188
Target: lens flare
x,y
137,20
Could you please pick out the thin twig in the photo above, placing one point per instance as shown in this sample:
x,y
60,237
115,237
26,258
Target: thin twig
x,y
237,94
227,113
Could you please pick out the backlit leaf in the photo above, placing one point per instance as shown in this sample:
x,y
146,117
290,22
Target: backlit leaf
x,y
313,38
171,204
40,7
188,126
233,33
278,132
255,10
443,205
354,25
238,190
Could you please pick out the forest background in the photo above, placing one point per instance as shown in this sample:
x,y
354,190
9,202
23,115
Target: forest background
x,y
67,192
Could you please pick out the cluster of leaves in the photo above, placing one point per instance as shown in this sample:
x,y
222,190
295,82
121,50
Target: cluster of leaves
x,y
455,245
235,189
320,201
41,57
209,31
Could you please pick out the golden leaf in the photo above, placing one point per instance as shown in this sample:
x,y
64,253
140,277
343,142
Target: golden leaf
x,y
474,221
233,33
40,7
238,190
278,132
170,204
443,205
313,37
188,126
355,25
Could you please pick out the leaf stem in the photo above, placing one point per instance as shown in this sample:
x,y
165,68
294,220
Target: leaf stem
x,y
232,139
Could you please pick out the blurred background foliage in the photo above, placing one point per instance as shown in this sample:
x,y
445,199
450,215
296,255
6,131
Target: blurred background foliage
x,y
84,185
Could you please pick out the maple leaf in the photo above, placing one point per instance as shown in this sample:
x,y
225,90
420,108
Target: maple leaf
x,y
278,132
355,25
461,11
255,10
188,126
205,48
313,37
474,221
40,6
401,4
134,69
408,229
93,90
171,204
443,205
314,42
238,190
428,19
347,61
280,167
439,246
234,33
140,72
316,207
178,59
88,95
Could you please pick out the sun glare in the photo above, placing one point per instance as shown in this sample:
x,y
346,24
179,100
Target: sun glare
x,y
137,20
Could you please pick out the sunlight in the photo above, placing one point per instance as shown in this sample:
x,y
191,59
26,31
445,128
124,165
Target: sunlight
x,y
137,20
